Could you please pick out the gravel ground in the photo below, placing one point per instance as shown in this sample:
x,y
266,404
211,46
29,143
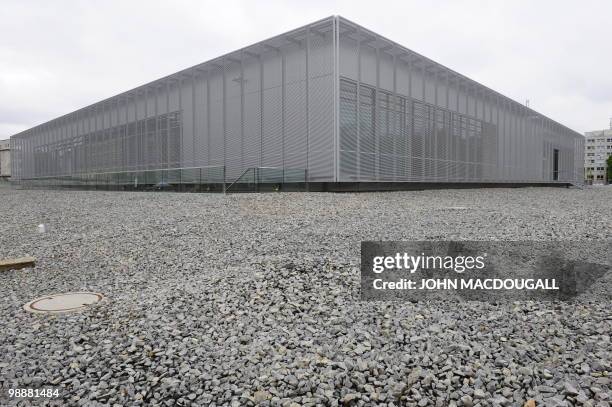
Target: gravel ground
x,y
254,299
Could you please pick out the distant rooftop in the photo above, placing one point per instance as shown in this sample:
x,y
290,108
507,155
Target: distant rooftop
x,y
598,133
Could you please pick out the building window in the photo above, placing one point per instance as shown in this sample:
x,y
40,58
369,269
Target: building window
x,y
384,135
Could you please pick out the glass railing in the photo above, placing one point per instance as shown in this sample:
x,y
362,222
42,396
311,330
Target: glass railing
x,y
158,178
215,177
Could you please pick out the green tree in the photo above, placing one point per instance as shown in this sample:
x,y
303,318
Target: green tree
x,y
609,171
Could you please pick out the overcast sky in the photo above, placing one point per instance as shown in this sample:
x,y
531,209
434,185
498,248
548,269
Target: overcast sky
x,y
58,56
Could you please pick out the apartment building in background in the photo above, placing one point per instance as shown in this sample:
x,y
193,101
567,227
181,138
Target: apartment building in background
x,y
597,149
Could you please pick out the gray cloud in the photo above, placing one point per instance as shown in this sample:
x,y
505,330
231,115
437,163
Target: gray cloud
x,y
58,56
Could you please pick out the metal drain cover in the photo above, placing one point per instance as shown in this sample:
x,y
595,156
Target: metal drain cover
x,y
58,303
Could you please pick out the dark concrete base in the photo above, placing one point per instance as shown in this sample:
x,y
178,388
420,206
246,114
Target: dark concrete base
x,y
419,186
310,187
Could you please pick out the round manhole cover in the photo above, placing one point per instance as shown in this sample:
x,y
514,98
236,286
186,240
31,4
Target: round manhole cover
x,y
67,302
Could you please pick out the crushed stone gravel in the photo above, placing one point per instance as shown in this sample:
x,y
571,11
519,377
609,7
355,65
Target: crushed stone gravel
x,y
253,299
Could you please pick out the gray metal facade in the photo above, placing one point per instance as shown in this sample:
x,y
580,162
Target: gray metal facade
x,y
330,98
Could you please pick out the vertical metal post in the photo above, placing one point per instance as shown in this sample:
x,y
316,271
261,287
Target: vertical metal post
x,y
48,141
500,137
514,134
395,109
495,104
449,127
336,95
72,142
43,149
409,126
208,135
159,157
307,52
427,132
130,145
456,140
96,143
435,127
139,151
108,135
88,142
469,142
145,130
182,155
124,141
224,124
241,110
510,140
111,136
283,97
358,104
505,138
193,116
523,146
261,109
376,118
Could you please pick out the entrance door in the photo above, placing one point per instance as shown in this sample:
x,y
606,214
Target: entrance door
x,y
555,165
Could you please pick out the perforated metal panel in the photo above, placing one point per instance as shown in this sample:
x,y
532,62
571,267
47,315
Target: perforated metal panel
x,y
406,118
267,105
330,98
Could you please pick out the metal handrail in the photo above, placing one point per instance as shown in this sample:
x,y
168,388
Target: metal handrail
x,y
257,175
238,179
